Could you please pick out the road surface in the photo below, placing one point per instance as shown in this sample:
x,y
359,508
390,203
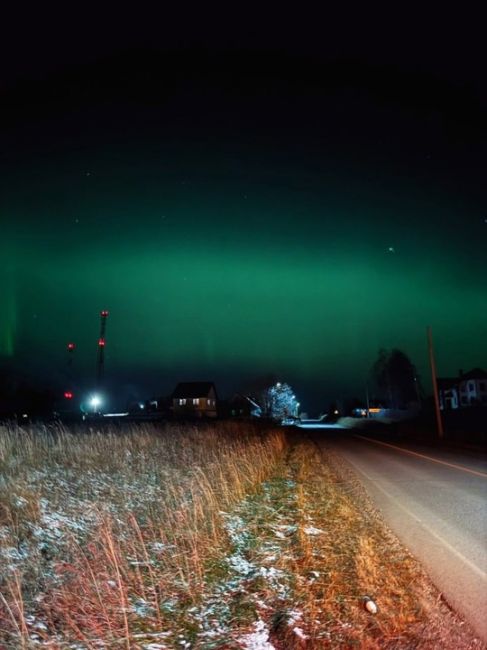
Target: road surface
x,y
435,500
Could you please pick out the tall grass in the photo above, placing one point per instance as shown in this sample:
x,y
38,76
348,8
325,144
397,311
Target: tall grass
x,y
101,531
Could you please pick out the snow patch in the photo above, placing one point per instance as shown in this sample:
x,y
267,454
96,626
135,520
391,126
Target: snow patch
x,y
158,547
311,530
142,608
299,632
257,640
240,565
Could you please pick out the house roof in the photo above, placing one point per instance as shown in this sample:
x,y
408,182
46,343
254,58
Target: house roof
x,y
451,382
447,382
240,398
476,373
191,389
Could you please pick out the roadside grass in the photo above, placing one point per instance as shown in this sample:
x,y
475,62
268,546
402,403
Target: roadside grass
x,y
223,537
106,535
343,556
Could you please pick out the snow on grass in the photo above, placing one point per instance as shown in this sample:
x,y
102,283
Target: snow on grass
x,y
258,639
249,584
243,581
294,616
311,530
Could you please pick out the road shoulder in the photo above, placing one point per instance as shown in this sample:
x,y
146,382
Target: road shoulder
x,y
445,628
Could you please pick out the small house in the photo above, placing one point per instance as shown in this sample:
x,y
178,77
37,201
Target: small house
x,y
195,399
468,389
473,387
243,406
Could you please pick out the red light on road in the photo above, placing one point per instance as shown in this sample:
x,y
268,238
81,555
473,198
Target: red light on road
x,y
71,346
68,394
101,343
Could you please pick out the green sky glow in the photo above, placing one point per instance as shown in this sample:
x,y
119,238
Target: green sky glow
x,y
209,287
298,248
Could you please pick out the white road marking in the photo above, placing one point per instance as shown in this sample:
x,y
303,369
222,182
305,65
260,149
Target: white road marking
x,y
411,514
433,460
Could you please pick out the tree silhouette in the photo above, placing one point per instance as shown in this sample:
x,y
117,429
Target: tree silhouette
x,y
396,378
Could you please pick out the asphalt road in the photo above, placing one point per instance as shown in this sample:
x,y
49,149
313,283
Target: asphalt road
x,y
435,500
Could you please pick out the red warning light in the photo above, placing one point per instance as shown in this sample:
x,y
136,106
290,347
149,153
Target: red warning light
x,y
71,346
68,394
104,313
101,343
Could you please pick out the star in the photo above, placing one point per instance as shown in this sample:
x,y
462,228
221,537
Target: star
x,y
391,249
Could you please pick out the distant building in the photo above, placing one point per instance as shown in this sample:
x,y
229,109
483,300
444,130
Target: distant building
x,y
468,389
195,399
242,406
448,392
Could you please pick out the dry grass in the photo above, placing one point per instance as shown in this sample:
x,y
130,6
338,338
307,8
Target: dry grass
x,y
102,533
224,537
343,553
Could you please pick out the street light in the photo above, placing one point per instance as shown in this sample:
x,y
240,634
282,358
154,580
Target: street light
x,y
95,402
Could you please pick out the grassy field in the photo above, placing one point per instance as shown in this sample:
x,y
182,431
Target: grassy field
x,y
220,536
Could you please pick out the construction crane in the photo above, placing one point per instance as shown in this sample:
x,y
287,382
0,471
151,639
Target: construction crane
x,y
100,362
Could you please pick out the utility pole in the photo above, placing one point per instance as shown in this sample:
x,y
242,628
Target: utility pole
x,y
439,422
367,399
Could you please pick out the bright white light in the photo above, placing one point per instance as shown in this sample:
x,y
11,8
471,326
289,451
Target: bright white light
x,y
115,415
95,401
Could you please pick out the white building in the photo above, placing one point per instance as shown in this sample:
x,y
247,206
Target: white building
x,y
468,389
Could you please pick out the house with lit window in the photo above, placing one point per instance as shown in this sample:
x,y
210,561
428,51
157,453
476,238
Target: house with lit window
x,y
195,399
468,389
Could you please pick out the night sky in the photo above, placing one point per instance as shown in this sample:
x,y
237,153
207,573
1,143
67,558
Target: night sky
x,y
243,200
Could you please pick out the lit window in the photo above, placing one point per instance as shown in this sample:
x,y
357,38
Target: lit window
x,y
182,402
196,401
208,401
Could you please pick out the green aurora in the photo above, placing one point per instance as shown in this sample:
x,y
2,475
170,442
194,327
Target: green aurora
x,y
208,286
227,252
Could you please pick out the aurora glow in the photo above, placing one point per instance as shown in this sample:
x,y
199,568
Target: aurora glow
x,y
221,257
